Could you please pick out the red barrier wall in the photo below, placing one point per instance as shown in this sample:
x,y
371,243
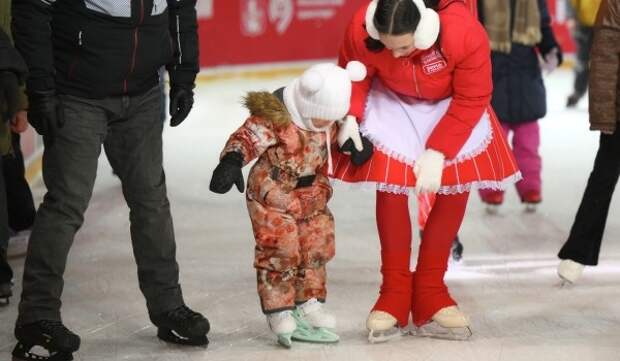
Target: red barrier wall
x,y
261,31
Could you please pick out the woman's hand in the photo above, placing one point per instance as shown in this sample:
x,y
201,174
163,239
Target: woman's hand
x,y
428,170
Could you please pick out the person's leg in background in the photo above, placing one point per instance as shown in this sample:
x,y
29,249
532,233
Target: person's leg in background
x,y
6,273
526,142
584,241
583,38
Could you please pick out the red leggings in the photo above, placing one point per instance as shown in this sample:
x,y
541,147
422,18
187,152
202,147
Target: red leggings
x,y
423,292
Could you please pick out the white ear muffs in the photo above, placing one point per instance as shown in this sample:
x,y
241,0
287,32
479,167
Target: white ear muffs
x,y
426,33
370,20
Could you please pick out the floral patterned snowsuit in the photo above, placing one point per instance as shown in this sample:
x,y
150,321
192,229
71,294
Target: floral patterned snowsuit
x,y
287,197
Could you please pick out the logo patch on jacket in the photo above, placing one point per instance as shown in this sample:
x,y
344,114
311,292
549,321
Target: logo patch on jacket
x,y
433,62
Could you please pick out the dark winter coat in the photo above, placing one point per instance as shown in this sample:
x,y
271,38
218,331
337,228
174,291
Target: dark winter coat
x,y
10,60
102,48
604,63
518,90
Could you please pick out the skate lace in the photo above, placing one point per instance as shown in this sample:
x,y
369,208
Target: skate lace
x,y
183,314
56,329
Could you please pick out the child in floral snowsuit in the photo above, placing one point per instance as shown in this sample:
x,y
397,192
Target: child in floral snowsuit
x,y
290,132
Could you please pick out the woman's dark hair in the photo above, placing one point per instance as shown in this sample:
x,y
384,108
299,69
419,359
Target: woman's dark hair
x,y
396,17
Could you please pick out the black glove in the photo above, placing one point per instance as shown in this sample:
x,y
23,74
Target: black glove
x,y
45,114
227,173
9,94
358,158
181,102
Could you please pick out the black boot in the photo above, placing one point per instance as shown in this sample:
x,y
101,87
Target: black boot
x,y
182,326
51,335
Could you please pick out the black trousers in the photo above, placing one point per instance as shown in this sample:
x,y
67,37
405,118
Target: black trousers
x,y
6,274
583,37
584,242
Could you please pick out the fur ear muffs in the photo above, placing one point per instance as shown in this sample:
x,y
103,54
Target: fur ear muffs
x,y
426,33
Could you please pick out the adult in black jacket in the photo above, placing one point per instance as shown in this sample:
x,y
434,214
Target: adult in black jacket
x,y
93,81
12,71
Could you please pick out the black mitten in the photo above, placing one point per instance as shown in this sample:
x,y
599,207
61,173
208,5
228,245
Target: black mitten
x,y
359,158
227,173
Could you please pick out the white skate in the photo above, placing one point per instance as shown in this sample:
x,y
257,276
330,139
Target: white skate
x,y
531,207
448,323
314,313
382,327
569,271
283,325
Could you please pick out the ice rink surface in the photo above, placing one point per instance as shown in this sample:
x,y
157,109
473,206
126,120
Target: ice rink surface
x,y
506,282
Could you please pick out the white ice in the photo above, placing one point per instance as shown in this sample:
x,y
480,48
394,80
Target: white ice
x,y
507,281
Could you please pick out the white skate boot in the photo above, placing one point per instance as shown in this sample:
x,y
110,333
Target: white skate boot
x,y
283,325
569,271
448,323
314,312
314,324
382,327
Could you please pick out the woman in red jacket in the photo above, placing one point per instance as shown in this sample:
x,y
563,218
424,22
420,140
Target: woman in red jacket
x,y
425,106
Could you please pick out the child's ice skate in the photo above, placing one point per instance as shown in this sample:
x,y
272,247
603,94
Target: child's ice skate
x,y
382,327
448,323
314,324
531,200
569,271
283,325
492,200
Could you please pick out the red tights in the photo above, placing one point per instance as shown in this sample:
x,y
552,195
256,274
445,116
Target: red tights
x,y
423,292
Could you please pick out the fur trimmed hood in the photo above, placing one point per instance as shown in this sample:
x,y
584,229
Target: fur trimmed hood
x,y
267,105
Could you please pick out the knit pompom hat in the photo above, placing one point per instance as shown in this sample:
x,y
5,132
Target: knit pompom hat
x,y
322,92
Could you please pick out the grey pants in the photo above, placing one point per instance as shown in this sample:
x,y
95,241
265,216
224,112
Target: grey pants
x,y
130,130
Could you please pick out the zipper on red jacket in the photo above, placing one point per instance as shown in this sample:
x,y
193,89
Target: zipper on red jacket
x,y
415,81
132,65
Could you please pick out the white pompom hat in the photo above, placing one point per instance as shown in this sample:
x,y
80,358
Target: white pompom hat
x,y
322,92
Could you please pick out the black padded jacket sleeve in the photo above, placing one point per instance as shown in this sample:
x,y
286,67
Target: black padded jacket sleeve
x,y
184,32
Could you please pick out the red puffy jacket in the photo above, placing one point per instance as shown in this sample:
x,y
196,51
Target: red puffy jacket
x,y
458,65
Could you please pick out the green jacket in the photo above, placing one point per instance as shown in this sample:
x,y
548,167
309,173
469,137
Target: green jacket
x,y
5,131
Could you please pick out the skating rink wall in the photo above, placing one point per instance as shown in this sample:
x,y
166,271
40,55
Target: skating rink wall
x,y
237,32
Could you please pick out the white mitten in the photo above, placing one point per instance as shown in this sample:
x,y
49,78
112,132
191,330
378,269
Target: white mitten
x,y
428,170
349,129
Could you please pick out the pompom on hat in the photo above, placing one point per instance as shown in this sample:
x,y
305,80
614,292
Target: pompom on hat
x,y
322,92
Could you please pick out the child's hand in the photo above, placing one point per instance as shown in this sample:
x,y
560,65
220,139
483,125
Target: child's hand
x,y
227,173
551,60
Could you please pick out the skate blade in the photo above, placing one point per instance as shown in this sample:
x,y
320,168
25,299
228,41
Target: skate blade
x,y
530,208
285,340
315,335
4,301
20,354
434,330
385,336
173,337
